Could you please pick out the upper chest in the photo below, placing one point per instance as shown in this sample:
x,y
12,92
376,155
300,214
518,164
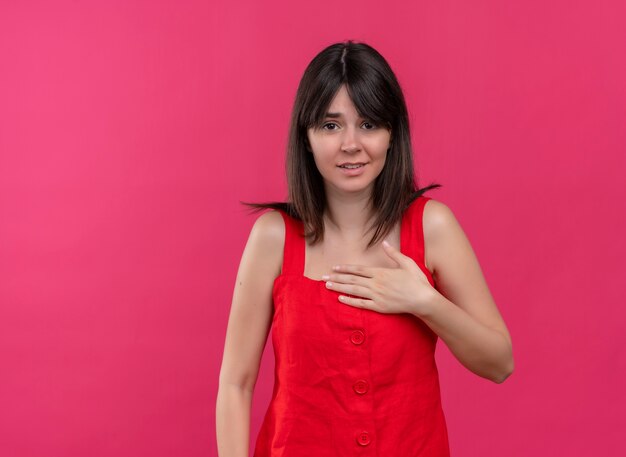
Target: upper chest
x,y
333,250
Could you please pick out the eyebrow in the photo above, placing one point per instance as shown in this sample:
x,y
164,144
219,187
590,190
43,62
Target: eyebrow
x,y
338,115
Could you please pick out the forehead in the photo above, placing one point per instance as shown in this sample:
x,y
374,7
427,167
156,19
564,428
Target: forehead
x,y
341,104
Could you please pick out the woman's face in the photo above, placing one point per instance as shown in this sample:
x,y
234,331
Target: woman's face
x,y
345,138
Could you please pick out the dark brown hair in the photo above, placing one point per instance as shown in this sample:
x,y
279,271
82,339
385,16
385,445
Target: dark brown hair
x,y
377,96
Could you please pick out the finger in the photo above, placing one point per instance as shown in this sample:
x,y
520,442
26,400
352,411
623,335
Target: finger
x,y
348,278
351,289
394,253
359,270
357,302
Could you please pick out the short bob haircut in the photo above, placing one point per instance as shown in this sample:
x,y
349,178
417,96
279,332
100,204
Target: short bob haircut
x,y
377,96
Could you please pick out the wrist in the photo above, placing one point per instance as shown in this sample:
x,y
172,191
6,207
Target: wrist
x,y
427,303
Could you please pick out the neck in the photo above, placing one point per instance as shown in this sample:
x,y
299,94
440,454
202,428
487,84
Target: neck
x,y
348,215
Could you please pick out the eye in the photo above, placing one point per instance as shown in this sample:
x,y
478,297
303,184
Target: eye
x,y
327,124
371,124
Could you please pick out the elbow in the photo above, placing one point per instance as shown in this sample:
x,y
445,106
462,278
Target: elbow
x,y
505,369
503,375
502,378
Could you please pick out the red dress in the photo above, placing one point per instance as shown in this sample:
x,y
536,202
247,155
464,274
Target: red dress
x,y
350,381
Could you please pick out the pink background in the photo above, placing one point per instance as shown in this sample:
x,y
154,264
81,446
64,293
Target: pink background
x,y
129,131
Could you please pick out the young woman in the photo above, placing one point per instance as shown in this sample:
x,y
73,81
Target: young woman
x,y
357,275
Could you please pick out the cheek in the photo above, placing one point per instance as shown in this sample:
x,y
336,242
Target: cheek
x,y
378,153
323,152
320,155
316,160
379,144
379,150
323,145
323,162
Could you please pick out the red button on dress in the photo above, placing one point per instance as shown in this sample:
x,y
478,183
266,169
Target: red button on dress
x,y
333,397
360,387
363,439
357,337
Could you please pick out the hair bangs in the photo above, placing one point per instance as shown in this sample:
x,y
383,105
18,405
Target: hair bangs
x,y
318,99
370,103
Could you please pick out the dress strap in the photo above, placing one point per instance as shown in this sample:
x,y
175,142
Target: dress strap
x,y
293,254
412,231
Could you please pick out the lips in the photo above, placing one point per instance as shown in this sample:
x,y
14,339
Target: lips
x,y
350,164
353,171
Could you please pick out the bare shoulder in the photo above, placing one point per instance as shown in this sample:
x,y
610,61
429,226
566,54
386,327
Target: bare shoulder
x,y
271,226
437,221
268,236
436,212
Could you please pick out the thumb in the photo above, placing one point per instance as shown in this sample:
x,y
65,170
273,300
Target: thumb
x,y
394,253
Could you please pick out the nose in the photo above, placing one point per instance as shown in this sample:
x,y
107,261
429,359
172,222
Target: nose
x,y
350,142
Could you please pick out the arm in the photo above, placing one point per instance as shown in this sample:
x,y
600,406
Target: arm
x,y
248,327
462,311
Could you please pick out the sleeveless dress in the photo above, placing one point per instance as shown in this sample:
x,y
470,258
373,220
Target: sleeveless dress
x,y
350,381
